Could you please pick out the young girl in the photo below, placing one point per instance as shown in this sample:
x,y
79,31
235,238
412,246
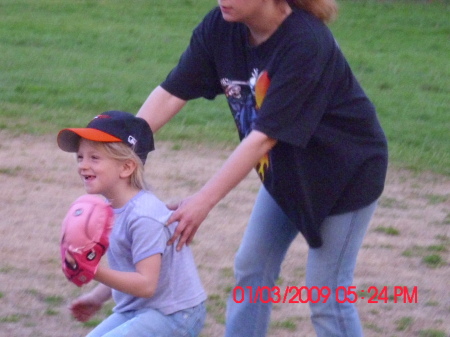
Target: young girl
x,y
157,291
308,128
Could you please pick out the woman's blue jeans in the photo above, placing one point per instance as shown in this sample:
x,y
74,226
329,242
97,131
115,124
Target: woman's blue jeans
x,y
258,261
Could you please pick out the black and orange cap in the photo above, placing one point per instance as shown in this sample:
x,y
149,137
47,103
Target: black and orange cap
x,y
110,127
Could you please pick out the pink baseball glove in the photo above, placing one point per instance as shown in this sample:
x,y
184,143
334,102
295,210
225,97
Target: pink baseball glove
x,y
85,237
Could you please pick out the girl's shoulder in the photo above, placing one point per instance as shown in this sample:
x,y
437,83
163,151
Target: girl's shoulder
x,y
147,205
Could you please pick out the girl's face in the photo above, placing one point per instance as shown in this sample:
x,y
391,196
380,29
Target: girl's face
x,y
99,173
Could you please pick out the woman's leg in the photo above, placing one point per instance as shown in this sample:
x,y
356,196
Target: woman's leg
x,y
266,240
332,266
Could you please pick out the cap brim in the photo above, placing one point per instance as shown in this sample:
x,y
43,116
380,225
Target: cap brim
x,y
68,139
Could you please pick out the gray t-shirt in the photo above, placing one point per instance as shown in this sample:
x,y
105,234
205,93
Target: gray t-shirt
x,y
139,232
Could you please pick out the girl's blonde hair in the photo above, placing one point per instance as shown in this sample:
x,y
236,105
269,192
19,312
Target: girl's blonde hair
x,y
121,152
325,10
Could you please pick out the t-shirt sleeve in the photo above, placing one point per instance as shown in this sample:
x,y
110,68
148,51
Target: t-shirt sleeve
x,y
298,93
148,238
195,74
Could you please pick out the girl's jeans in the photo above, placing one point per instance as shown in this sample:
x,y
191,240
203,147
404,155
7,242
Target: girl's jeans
x,y
267,238
152,323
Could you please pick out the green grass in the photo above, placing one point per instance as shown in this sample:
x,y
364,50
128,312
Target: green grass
x,y
403,323
399,51
65,61
14,318
216,305
430,254
387,230
286,324
433,261
54,300
432,333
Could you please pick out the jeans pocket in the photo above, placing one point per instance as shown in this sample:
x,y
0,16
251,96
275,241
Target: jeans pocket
x,y
190,321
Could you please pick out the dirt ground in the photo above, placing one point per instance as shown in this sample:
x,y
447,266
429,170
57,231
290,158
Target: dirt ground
x,y
407,245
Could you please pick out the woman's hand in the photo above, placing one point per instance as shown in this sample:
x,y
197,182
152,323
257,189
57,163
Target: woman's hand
x,y
189,213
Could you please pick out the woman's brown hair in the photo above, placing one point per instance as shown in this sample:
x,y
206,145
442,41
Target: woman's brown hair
x,y
325,10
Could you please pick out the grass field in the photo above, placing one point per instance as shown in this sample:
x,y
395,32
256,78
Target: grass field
x,y
64,61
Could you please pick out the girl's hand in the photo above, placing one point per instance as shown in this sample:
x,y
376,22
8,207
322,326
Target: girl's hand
x,y
84,307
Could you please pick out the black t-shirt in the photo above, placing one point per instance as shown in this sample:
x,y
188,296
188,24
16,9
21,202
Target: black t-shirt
x,y
296,87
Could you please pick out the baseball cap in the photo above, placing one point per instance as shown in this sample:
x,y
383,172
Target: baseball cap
x,y
111,127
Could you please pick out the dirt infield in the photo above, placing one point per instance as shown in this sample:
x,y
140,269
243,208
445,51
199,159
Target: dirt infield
x,y
407,246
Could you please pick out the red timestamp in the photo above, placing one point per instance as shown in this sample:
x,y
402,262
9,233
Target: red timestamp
x,y
303,294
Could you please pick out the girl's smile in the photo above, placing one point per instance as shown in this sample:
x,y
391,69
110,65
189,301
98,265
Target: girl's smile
x,y
100,173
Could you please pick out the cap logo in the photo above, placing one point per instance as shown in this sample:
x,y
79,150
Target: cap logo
x,y
78,212
132,140
102,116
91,255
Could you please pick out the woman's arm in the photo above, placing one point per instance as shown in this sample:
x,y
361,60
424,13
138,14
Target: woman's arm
x,y
159,108
141,283
193,210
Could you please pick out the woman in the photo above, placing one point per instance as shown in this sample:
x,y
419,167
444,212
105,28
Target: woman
x,y
310,131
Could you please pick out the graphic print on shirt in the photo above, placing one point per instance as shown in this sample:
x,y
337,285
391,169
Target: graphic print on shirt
x,y
245,98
